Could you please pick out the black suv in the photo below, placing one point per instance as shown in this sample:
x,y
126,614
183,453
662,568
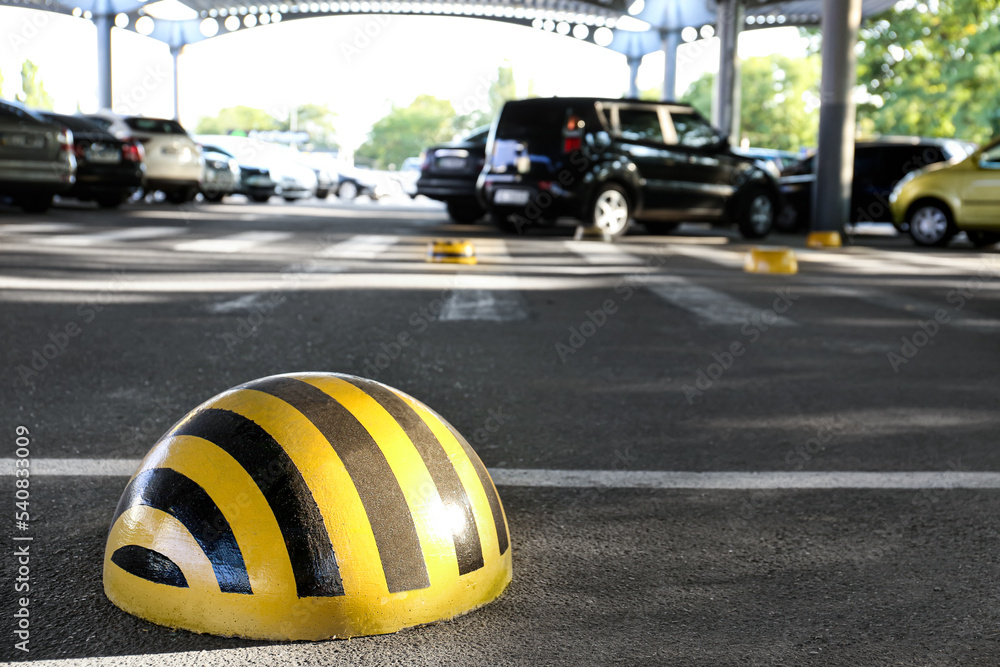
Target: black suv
x,y
878,166
449,173
604,161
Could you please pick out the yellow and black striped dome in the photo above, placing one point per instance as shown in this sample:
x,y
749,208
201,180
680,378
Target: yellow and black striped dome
x,y
307,506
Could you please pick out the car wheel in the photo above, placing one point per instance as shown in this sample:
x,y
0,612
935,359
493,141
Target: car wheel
x,y
982,239
507,221
180,196
38,204
322,194
757,215
610,210
348,191
931,224
289,199
110,201
660,227
464,210
261,199
215,197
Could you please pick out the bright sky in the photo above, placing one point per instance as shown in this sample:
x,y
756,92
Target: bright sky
x,y
324,61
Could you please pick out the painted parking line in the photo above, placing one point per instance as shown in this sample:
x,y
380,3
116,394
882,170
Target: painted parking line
x,y
602,254
39,227
114,235
614,479
711,306
484,306
232,243
362,246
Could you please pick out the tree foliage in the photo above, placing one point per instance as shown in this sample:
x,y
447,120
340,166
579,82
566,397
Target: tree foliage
x,y
33,92
405,131
780,106
238,119
490,101
932,68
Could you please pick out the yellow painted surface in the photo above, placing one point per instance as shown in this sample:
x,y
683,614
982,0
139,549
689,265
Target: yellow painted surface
x,y
771,260
451,252
274,610
824,240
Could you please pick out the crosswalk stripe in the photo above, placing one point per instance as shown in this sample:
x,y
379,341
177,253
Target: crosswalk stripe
x,y
711,306
918,308
602,254
483,305
114,235
38,227
726,258
362,246
232,243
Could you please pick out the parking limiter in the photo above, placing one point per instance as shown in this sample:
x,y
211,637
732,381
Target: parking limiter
x,y
308,506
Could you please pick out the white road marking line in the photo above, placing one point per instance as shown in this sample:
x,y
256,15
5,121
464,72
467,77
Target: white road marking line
x,y
363,246
603,254
918,308
39,227
235,305
613,479
727,258
484,306
232,243
114,235
711,306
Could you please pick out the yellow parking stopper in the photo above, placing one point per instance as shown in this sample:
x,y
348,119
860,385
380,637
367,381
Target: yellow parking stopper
x,y
771,260
591,233
451,252
824,240
308,506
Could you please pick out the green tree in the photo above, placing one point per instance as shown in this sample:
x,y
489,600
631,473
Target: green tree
x,y
932,69
780,100
33,91
500,90
405,131
238,119
317,120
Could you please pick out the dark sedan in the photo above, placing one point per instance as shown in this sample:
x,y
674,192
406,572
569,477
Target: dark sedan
x,y
449,174
108,170
878,166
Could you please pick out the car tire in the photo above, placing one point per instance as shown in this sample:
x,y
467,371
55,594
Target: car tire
x,y
290,200
610,210
464,210
757,214
982,239
261,199
36,204
661,227
180,195
930,224
322,194
110,201
504,219
348,191
214,198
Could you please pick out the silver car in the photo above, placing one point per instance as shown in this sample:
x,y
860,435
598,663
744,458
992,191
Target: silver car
x,y
36,158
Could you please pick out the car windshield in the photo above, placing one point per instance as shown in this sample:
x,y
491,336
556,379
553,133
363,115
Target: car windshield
x,y
991,157
155,125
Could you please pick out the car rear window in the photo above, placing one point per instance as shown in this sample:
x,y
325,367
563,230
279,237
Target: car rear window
x,y
539,125
155,125
78,125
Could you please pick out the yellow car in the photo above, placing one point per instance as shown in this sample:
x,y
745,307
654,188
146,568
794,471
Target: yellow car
x,y
940,200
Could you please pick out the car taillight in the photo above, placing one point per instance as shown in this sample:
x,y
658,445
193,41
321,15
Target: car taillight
x,y
132,151
66,140
428,159
571,144
573,134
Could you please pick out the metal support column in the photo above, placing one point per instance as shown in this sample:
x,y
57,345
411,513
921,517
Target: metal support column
x,y
633,76
726,101
175,52
671,42
835,150
104,23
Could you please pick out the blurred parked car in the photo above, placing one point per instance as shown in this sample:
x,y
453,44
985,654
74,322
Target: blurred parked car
x,y
324,165
940,200
108,170
449,174
36,158
409,174
173,160
221,176
354,181
292,180
606,161
878,166
255,180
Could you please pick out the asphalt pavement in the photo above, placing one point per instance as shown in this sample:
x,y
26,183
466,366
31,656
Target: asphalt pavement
x,y
648,359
